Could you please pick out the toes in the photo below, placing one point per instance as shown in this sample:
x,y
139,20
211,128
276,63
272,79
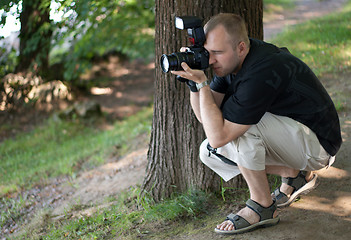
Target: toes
x,y
226,226
229,227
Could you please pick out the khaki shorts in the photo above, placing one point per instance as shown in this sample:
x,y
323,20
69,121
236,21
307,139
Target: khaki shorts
x,y
276,141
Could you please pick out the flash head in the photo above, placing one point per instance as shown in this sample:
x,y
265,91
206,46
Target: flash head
x,y
187,22
179,23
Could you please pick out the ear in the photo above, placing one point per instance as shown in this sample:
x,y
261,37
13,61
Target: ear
x,y
241,48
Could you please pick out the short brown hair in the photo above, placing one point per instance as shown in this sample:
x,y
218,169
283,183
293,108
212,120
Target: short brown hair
x,y
234,25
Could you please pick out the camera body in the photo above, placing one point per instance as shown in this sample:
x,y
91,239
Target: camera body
x,y
196,56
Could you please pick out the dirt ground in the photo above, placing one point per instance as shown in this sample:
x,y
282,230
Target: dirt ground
x,y
324,213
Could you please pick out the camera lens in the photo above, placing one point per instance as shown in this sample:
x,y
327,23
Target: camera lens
x,y
164,63
172,62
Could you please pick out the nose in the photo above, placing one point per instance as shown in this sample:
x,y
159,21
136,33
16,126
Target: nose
x,y
212,59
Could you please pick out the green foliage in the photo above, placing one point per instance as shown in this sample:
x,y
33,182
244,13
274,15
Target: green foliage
x,y
324,43
8,58
6,5
92,28
61,147
103,26
35,34
8,61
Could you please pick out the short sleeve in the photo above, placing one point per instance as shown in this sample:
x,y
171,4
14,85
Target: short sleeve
x,y
221,84
252,97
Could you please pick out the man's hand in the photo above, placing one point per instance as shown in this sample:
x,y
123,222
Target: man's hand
x,y
197,76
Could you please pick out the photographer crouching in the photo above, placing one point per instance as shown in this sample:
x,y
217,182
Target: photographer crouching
x,y
264,112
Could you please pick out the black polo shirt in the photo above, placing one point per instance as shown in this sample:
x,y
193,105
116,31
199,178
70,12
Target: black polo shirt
x,y
273,80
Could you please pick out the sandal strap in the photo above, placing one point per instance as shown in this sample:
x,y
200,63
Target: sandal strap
x,y
279,195
238,221
263,212
296,182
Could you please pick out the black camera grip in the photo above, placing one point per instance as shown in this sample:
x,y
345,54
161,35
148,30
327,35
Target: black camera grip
x,y
191,84
181,79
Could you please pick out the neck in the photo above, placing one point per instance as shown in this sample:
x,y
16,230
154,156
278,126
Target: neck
x,y
242,59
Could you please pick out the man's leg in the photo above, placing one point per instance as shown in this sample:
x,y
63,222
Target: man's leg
x,y
286,172
259,192
275,141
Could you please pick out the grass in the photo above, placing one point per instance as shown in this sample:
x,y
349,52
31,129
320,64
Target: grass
x,y
129,217
63,147
323,43
11,209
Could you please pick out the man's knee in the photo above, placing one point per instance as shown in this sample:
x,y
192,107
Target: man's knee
x,y
204,151
223,169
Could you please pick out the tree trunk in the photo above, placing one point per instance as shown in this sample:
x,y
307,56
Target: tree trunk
x,y
173,157
35,36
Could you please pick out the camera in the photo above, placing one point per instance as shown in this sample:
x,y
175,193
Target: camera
x,y
196,56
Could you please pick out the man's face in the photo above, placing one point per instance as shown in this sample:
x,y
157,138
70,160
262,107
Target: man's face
x,y
223,58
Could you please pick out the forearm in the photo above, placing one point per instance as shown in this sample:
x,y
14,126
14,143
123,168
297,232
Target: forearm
x,y
195,104
211,117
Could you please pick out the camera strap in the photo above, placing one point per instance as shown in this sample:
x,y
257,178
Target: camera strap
x,y
220,156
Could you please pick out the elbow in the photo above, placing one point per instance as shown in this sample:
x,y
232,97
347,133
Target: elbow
x,y
216,143
220,137
218,140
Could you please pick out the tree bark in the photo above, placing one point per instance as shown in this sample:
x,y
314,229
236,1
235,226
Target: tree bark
x,y
35,36
173,156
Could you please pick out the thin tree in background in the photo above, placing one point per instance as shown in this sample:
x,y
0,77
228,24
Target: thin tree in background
x,y
35,36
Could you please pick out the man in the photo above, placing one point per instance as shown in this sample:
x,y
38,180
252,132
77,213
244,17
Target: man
x,y
264,111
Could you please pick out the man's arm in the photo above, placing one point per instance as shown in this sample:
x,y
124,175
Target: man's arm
x,y
218,130
194,100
